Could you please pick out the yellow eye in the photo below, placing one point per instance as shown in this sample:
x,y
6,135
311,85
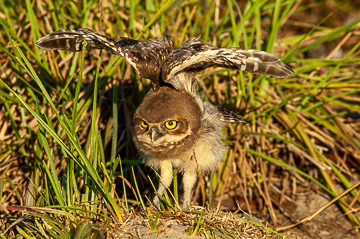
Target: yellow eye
x,y
171,124
144,125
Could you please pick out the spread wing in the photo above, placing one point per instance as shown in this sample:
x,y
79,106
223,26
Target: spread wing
x,y
194,56
147,57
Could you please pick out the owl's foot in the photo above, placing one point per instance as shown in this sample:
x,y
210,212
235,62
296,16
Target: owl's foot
x,y
186,208
155,203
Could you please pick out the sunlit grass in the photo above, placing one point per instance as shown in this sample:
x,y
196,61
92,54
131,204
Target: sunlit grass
x,y
67,117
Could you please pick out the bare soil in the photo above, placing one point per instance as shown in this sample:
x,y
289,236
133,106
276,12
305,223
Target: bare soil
x,y
329,224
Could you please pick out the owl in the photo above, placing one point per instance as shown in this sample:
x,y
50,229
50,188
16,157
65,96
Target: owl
x,y
174,127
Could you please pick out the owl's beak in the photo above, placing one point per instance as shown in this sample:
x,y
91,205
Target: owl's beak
x,y
154,134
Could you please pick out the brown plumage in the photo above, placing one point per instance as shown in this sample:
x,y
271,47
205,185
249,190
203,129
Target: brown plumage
x,y
173,126
193,145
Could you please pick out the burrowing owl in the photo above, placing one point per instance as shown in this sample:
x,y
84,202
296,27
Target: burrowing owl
x,y
173,126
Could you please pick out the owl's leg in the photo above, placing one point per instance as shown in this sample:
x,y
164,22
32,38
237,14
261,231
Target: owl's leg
x,y
166,177
189,180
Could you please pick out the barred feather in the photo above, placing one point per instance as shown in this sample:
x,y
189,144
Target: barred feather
x,y
147,57
73,40
194,56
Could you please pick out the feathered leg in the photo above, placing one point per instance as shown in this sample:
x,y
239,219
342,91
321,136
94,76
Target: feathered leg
x,y
189,180
165,179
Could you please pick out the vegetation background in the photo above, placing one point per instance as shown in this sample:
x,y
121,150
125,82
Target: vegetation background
x,y
69,169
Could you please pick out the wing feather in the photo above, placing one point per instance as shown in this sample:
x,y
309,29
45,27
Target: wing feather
x,y
147,57
157,58
73,40
194,56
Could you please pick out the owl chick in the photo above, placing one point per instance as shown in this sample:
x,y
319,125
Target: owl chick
x,y
173,126
174,129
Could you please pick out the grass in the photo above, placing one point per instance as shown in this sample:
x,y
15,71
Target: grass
x,y
67,164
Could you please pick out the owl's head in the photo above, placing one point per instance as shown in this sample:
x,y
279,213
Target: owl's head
x,y
166,122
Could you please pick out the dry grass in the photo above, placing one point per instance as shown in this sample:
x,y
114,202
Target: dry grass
x,y
302,139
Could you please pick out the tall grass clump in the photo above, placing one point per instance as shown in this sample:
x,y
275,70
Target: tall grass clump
x,y
68,167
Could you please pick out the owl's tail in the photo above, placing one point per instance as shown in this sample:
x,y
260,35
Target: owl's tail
x,y
230,116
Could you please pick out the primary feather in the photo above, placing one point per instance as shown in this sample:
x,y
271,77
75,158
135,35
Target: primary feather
x,y
146,57
195,56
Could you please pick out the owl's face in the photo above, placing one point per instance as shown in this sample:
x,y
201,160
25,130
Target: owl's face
x,y
168,121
